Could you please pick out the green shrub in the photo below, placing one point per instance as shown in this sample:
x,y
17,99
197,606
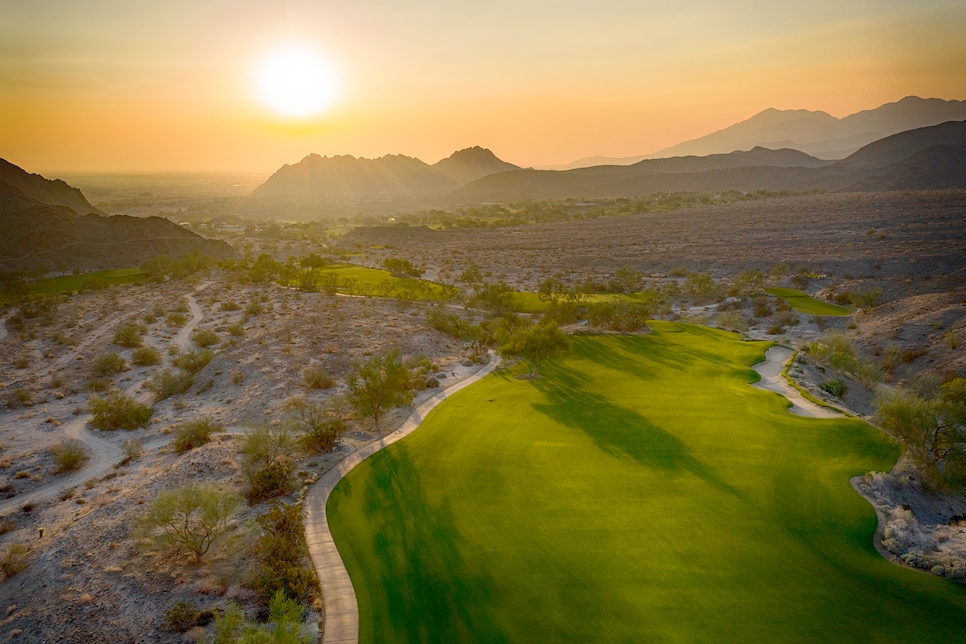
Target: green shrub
x,y
195,434
98,385
283,555
267,461
146,357
190,518
205,338
733,321
118,411
175,319
237,377
315,377
254,308
230,306
625,316
170,382
237,329
109,364
194,361
69,456
13,560
180,618
128,334
834,387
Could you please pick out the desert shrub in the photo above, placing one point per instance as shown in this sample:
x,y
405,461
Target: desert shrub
x,y
146,356
952,339
733,321
230,306
237,377
236,329
180,617
625,316
315,377
190,518
170,382
194,361
205,338
128,334
254,308
149,318
865,298
109,364
283,555
132,448
452,325
175,319
834,387
7,526
701,287
21,363
13,560
118,411
97,385
835,350
20,398
69,456
195,433
321,428
267,461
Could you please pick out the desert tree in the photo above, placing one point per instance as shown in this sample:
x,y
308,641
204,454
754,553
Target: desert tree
x,y
536,344
379,384
190,518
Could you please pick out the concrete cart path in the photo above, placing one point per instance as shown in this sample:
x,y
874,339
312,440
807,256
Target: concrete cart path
x,y
341,606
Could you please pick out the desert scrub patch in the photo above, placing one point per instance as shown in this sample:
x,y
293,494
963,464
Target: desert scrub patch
x,y
109,364
146,356
205,338
13,560
316,377
118,411
193,361
128,334
170,382
69,456
195,433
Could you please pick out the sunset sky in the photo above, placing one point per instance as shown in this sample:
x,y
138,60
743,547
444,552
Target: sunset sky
x,y
106,85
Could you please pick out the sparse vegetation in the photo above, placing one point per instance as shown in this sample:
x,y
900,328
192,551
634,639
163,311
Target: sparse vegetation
x,y
205,338
316,377
379,384
193,361
69,456
13,561
194,434
267,461
145,357
170,382
128,334
109,364
118,411
190,518
283,555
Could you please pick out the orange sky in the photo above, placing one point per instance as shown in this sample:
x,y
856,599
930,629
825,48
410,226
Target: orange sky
x,y
104,85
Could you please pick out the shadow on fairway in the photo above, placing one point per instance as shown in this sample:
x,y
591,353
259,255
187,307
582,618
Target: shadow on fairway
x,y
428,591
621,432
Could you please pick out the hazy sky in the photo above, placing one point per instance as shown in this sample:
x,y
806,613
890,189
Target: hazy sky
x,y
110,85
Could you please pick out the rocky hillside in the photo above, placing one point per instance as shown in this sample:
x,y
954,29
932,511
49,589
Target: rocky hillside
x,y
35,233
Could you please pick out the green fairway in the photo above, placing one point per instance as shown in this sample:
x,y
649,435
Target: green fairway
x,y
641,491
805,303
360,280
83,281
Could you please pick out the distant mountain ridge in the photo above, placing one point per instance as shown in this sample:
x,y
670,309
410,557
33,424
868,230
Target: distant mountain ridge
x,y
816,133
19,188
925,158
341,177
40,227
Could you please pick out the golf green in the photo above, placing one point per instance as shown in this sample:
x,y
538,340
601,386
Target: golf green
x,y
640,491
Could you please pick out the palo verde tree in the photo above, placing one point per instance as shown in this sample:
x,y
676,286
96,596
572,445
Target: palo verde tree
x,y
379,384
536,344
932,430
190,518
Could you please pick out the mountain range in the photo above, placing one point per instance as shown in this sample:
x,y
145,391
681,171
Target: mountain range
x,y
925,158
391,176
814,132
47,223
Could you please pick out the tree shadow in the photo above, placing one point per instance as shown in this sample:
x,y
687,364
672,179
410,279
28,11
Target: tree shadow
x,y
424,587
623,432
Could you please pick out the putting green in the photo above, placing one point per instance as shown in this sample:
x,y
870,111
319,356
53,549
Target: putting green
x,y
641,491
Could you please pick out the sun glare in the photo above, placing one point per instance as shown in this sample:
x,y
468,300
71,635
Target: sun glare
x,y
295,82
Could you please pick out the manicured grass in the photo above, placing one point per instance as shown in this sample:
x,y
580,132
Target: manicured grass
x,y
641,491
805,303
360,280
82,281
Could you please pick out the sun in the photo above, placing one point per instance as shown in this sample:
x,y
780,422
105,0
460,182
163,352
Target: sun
x,y
296,82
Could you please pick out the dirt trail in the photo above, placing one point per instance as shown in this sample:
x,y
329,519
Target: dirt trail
x,y
772,380
104,454
341,606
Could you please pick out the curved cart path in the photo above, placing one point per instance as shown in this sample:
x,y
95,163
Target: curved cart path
x,y
772,380
102,454
341,606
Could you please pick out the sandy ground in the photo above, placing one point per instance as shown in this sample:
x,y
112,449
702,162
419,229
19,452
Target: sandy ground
x,y
776,358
